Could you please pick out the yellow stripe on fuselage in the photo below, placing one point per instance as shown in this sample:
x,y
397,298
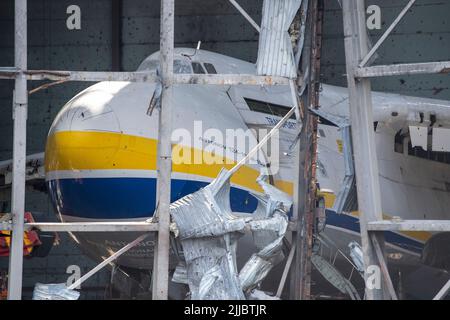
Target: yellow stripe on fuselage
x,y
90,150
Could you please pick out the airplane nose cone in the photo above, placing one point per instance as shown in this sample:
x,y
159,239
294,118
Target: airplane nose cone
x,y
85,131
96,166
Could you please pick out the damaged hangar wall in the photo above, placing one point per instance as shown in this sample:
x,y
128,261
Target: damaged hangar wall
x,y
423,35
52,46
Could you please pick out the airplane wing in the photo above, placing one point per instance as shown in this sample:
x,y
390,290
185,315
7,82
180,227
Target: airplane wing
x,y
425,121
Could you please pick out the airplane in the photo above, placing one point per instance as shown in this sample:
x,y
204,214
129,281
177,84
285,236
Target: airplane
x,y
100,161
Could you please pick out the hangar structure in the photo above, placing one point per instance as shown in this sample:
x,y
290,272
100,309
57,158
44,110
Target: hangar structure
x,y
304,80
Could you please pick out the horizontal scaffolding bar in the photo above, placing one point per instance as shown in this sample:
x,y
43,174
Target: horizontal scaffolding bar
x,y
403,69
211,79
409,225
80,75
87,226
96,226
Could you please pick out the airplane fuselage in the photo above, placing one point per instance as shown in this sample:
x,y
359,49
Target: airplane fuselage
x,y
101,157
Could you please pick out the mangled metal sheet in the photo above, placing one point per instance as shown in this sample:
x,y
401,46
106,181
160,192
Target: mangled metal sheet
x,y
57,291
357,255
208,231
275,52
347,197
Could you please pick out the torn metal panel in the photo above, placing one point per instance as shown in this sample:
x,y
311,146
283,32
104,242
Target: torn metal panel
x,y
57,291
301,36
206,226
209,231
357,255
275,52
268,236
180,274
346,199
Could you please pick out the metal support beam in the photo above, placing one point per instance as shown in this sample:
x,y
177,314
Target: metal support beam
x,y
410,225
383,266
306,154
93,226
246,15
386,33
94,76
161,260
19,153
141,76
443,292
404,69
286,271
369,200
107,261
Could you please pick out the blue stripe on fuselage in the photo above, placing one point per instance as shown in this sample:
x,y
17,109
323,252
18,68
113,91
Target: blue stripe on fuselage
x,y
126,198
351,223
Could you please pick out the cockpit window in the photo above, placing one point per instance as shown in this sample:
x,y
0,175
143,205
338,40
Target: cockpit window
x,y
179,66
269,108
197,67
210,68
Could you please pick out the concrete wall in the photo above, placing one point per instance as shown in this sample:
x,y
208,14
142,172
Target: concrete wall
x,y
422,36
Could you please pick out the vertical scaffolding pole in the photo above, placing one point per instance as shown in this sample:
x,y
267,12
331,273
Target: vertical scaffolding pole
x,y
19,152
161,259
367,181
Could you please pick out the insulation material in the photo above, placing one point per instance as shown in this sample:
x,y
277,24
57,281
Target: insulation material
x,y
275,52
209,231
57,291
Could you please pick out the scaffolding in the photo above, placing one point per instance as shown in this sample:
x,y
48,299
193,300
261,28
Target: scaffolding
x,y
161,225
359,73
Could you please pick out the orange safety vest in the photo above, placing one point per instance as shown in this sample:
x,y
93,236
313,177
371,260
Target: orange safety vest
x,y
30,239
